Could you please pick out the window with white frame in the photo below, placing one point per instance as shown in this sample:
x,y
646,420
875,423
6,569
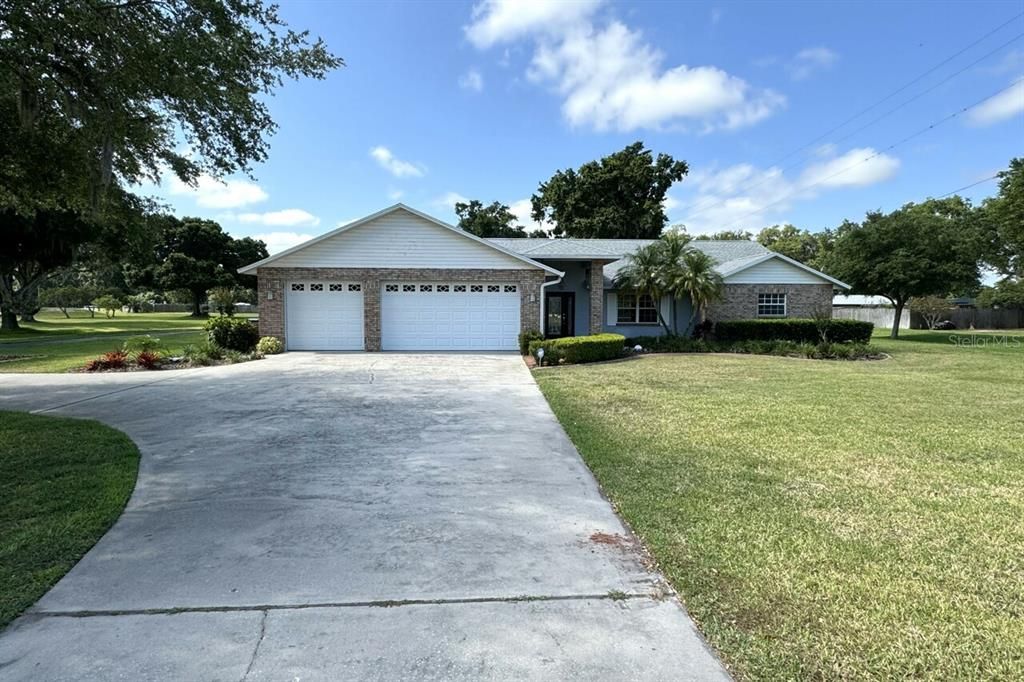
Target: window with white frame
x,y
771,305
636,309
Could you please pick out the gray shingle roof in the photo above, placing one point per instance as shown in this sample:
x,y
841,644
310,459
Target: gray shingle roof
x,y
728,255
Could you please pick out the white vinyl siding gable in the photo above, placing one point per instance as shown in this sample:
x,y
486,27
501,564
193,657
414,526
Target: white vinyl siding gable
x,y
400,240
774,271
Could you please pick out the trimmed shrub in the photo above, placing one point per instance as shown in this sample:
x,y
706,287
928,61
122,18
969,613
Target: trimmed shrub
x,y
525,338
233,333
269,345
578,349
795,330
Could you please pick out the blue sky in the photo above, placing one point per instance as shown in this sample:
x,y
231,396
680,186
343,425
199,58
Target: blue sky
x,y
447,100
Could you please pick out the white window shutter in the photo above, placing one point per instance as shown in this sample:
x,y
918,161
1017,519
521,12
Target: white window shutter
x,y
611,308
666,309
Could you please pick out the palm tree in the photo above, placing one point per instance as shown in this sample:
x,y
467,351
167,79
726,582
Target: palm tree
x,y
695,276
644,273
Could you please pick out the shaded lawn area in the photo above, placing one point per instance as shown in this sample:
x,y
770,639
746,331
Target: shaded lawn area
x,y
63,482
824,519
58,344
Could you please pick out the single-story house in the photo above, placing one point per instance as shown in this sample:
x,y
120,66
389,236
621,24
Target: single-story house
x,y
402,280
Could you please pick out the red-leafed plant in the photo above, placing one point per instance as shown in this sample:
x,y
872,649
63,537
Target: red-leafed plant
x,y
148,360
115,359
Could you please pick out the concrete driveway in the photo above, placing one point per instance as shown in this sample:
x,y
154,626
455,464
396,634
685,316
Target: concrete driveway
x,y
348,516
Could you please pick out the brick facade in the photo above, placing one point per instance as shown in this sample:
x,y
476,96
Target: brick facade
x,y
272,292
739,301
596,296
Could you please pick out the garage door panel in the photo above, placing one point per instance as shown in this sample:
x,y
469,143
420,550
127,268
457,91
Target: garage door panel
x,y
324,316
448,316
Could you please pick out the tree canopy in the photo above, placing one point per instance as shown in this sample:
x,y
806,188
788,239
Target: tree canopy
x,y
1003,217
619,197
122,85
495,220
196,255
726,236
99,96
925,249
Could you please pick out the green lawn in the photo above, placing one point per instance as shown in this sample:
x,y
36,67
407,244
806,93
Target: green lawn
x,y
63,482
58,344
824,520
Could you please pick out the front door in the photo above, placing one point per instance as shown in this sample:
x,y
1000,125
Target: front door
x,y
558,316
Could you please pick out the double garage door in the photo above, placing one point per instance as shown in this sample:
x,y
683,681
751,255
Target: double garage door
x,y
414,316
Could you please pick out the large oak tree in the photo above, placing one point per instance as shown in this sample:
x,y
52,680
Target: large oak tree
x,y
621,196
97,95
931,248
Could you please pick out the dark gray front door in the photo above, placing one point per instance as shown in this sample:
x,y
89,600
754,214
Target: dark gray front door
x,y
558,315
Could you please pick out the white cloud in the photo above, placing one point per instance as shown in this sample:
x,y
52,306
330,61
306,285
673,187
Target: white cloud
x,y
286,217
746,197
449,199
472,80
855,168
395,166
671,203
611,79
1006,104
279,241
811,60
395,194
501,21
522,210
212,193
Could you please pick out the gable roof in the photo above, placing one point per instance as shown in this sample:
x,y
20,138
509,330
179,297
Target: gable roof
x,y
248,269
738,266
731,256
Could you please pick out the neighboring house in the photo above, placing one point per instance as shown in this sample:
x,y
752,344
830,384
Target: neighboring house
x,y
402,280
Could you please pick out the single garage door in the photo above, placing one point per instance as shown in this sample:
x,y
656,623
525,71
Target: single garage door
x,y
324,316
449,316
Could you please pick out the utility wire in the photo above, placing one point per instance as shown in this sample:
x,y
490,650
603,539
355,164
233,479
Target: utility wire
x,y
701,209
906,139
973,184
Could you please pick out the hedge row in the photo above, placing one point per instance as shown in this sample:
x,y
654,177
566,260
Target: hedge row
x,y
817,351
792,329
577,349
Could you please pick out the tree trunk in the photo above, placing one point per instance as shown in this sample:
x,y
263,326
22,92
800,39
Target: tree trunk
x,y
898,315
65,311
197,305
8,321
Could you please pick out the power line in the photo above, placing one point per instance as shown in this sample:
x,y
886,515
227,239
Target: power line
x,y
906,139
703,208
973,184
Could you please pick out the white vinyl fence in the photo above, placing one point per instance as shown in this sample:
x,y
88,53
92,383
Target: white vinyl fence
x,y
880,317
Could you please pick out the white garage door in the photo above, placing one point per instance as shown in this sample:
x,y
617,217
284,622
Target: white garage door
x,y
449,316
324,315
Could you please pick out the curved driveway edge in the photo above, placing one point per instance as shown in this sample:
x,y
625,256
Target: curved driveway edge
x,y
329,516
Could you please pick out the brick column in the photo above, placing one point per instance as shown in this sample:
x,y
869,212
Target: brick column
x,y
371,313
529,314
596,297
270,290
